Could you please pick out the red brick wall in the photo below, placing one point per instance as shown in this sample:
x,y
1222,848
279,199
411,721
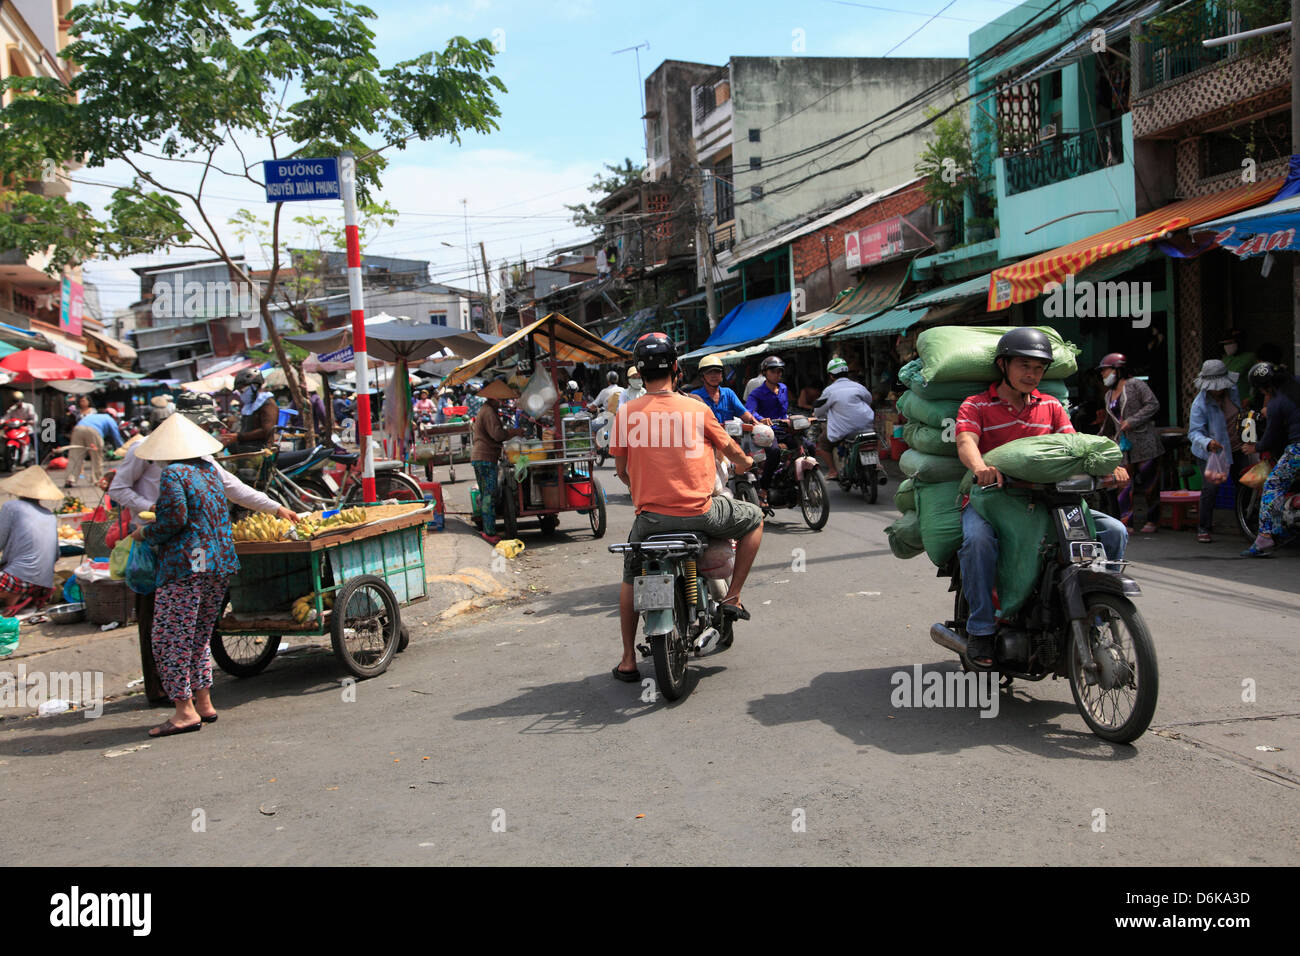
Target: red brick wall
x,y
810,253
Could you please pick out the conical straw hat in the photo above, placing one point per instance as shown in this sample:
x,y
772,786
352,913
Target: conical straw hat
x,y
177,439
32,482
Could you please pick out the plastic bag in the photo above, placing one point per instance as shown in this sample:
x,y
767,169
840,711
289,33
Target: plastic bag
x,y
905,496
719,559
1216,468
913,376
117,558
926,467
905,536
1050,458
939,516
1256,476
1021,529
142,569
8,635
927,411
539,395
951,353
929,439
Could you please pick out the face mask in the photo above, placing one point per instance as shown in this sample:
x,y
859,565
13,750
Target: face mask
x,y
1230,349
247,395
1109,379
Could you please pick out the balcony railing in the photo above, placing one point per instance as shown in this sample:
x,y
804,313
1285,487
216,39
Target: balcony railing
x,y
1066,156
1173,44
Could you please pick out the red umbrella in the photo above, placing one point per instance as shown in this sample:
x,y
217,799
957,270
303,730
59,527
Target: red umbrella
x,y
32,364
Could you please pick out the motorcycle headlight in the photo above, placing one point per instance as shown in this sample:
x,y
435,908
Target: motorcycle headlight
x,y
1077,485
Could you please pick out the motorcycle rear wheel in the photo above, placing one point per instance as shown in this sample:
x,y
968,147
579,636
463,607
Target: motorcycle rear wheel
x,y
814,499
871,485
1123,713
671,652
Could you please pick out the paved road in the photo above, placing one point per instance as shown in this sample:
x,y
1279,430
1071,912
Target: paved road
x,y
508,720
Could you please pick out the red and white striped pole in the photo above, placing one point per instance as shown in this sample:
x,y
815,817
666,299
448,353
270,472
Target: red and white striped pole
x,y
348,186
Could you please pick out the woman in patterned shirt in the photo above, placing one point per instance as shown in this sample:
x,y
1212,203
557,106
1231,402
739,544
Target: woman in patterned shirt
x,y
196,557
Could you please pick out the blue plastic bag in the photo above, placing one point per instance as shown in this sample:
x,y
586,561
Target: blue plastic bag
x,y
142,569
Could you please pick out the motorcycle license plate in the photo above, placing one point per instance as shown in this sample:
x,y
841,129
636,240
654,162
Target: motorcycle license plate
x,y
652,592
869,457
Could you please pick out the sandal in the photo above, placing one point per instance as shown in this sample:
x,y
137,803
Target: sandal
x,y
168,729
1149,528
631,677
1203,537
979,651
491,539
736,611
1259,549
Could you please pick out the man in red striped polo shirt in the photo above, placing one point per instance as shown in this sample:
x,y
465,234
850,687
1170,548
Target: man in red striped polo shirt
x,y
1012,408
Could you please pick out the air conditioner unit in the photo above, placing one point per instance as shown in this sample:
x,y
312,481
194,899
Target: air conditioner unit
x,y
1047,132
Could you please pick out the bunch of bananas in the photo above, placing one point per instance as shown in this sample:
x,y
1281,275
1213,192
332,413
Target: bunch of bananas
x,y
260,527
314,524
304,610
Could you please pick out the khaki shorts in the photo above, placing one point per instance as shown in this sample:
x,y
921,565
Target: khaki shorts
x,y
726,518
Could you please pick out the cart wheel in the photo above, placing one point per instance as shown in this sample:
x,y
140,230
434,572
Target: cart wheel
x,y
243,655
597,512
549,523
365,626
404,639
509,515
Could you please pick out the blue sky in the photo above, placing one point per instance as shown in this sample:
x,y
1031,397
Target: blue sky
x,y
572,105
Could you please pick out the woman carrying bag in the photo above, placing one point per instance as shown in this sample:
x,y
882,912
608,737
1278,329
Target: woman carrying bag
x,y
1215,434
195,558
1130,410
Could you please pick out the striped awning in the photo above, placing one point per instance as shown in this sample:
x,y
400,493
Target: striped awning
x,y
1025,280
878,290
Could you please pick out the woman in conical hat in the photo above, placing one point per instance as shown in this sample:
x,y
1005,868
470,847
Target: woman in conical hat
x,y
29,538
196,557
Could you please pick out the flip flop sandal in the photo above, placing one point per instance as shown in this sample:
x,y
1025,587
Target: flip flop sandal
x,y
979,651
631,677
1254,552
735,611
210,719
168,729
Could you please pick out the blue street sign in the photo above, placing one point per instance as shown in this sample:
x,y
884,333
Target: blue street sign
x,y
342,355
294,180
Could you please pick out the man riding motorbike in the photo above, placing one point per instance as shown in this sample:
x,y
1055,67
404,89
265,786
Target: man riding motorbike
x,y
722,401
600,404
663,451
1011,408
1279,394
847,410
770,404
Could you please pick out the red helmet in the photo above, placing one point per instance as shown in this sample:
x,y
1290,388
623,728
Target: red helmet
x,y
1113,360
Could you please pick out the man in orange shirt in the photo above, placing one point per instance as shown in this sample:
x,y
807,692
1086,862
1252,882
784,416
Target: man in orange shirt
x,y
663,445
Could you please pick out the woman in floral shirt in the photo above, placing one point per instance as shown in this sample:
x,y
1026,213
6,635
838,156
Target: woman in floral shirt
x,y
196,557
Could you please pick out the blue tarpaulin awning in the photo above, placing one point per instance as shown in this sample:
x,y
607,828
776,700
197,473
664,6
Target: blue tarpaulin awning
x,y
625,334
748,322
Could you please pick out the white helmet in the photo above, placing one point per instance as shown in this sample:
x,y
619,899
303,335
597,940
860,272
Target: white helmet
x,y
764,436
572,386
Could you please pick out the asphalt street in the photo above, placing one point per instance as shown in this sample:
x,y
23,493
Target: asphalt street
x,y
499,736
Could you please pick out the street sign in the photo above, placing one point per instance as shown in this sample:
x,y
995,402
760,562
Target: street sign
x,y
296,180
342,355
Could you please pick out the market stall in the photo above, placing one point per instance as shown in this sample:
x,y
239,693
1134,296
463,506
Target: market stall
x,y
555,472
347,580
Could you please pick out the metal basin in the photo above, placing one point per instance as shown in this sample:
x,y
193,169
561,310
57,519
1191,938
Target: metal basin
x,y
66,613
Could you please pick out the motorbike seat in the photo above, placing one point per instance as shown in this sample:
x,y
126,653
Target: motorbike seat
x,y
344,457
858,436
685,537
290,459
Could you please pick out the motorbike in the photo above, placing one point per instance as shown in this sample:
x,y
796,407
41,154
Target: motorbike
x,y
18,443
798,481
600,428
1247,504
680,605
857,460
1079,623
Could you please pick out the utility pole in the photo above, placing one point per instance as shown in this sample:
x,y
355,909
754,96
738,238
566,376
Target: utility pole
x,y
703,241
487,281
1295,148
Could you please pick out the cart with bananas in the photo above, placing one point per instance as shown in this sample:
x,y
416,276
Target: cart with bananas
x,y
344,575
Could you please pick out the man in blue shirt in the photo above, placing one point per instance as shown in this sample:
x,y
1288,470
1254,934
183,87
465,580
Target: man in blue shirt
x,y
770,404
722,401
88,438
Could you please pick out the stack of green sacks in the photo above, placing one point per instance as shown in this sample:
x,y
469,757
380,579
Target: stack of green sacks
x,y
956,362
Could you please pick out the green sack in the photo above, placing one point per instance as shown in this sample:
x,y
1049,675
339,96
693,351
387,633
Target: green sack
x,y
939,515
120,555
905,536
1049,458
926,467
929,439
8,635
954,353
905,497
927,411
1022,530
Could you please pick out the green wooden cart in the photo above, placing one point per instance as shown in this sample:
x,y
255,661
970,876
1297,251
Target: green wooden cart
x,y
367,573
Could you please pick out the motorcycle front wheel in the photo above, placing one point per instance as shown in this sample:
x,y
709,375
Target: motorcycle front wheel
x,y
1126,658
814,499
671,653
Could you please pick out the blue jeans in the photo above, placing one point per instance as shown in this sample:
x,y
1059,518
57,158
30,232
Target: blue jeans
x,y
979,563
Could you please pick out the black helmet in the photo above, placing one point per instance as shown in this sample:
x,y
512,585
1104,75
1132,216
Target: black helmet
x,y
655,354
1264,375
249,376
771,361
1025,343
